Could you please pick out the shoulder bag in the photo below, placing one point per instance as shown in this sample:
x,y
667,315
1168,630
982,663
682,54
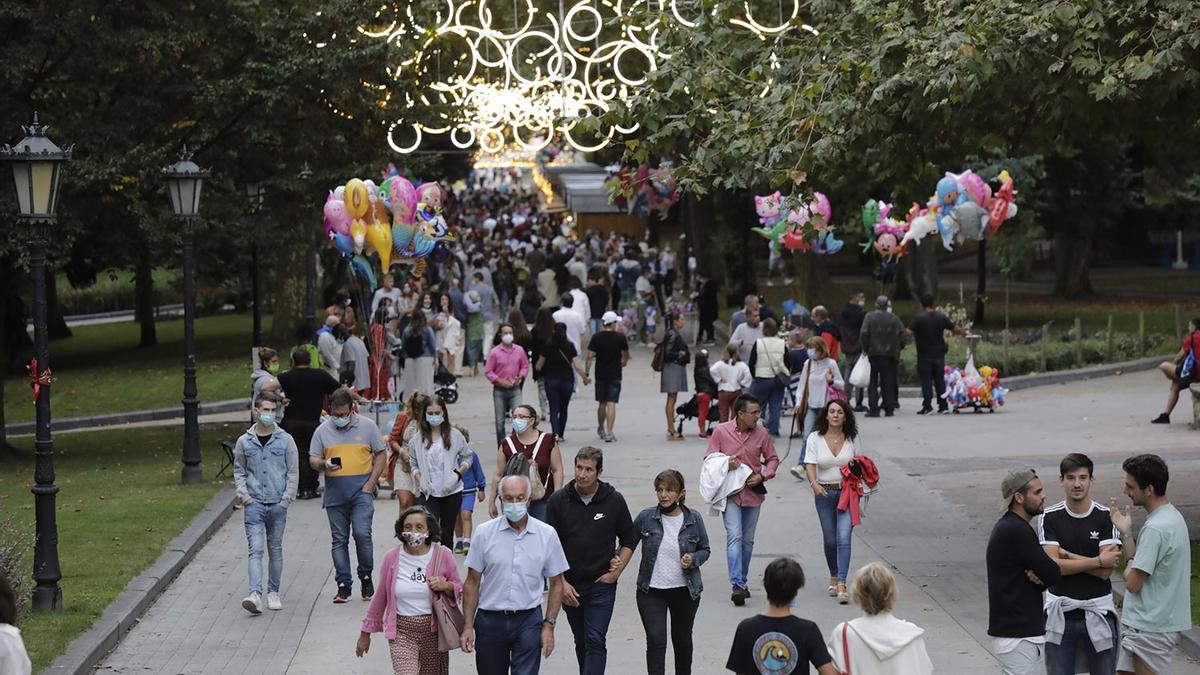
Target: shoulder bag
x,y
446,614
846,648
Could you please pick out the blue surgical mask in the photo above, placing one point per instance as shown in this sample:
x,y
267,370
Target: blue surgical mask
x,y
341,422
514,512
520,424
435,421
812,353
266,419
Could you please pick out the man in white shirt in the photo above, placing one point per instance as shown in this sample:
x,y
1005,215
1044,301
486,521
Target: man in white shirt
x,y
502,598
388,290
577,267
575,323
745,335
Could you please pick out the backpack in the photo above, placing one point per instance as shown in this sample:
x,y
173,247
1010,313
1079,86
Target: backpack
x,y
660,353
520,465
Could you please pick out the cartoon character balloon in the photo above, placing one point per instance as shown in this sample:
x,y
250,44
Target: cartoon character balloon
x,y
431,194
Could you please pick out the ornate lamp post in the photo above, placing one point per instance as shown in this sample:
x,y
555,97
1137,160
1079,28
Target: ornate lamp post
x,y
310,310
256,194
36,163
184,182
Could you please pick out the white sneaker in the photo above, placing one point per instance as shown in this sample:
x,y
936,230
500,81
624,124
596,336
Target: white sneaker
x,y
797,472
273,602
253,603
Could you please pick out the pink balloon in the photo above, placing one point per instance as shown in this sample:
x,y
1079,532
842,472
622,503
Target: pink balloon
x,y
337,219
821,205
401,199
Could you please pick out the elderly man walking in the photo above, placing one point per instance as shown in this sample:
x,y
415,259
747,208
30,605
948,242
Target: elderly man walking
x,y
510,557
882,337
747,442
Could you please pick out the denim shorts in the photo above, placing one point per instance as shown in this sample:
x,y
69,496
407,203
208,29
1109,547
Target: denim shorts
x,y
468,501
608,391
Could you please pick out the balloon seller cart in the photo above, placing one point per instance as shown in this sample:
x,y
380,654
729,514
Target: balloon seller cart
x,y
973,389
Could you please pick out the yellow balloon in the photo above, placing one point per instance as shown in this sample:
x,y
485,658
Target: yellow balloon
x,y
379,236
356,198
358,233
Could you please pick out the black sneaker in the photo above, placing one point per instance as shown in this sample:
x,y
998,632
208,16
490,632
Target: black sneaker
x,y
368,587
888,413
860,408
1161,419
343,594
872,414
943,411
924,411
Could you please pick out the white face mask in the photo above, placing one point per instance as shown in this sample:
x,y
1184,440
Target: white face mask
x,y
507,338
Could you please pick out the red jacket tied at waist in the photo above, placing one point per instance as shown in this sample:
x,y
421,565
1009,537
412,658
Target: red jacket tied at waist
x,y
853,486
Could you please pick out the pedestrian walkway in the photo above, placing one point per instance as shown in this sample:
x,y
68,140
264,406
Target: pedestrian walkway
x,y
934,538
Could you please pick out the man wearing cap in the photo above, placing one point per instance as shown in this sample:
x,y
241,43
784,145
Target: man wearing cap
x,y
1018,570
882,337
610,349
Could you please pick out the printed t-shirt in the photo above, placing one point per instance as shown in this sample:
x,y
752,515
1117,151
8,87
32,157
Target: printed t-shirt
x,y
1081,535
357,445
772,645
411,584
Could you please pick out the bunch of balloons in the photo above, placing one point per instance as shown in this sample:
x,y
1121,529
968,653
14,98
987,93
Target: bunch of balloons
x,y
965,208
884,233
977,389
797,224
643,191
395,220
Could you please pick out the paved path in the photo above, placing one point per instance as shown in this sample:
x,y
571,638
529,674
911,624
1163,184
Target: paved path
x,y
930,522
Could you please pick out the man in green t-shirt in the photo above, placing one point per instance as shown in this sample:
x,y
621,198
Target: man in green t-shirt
x,y
1158,598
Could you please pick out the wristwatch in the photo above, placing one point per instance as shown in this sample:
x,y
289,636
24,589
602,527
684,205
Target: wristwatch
x,y
552,622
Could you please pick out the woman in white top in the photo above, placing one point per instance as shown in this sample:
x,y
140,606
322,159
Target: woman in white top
x,y
440,456
878,643
733,378
820,372
831,447
413,574
13,657
449,336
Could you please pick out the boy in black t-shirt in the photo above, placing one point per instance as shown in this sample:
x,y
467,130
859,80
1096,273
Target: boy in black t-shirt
x,y
775,641
610,349
1079,535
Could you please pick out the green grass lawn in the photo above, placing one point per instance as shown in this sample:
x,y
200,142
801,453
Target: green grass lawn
x,y
121,503
100,369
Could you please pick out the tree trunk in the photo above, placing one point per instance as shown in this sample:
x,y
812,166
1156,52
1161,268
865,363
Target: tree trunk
x,y
284,288
980,282
919,268
56,324
143,302
1072,257
813,285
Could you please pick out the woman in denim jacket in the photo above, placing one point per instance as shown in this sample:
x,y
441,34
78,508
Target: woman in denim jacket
x,y
669,576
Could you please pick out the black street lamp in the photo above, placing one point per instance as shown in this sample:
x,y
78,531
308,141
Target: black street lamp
x,y
184,182
36,163
256,193
310,310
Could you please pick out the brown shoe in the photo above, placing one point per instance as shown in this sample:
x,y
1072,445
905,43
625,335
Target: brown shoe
x,y
738,596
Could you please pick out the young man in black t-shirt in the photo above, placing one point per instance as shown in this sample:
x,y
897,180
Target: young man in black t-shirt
x,y
1079,535
610,349
928,332
775,641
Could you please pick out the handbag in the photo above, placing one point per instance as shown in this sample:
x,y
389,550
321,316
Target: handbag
x,y
446,614
832,393
782,379
802,409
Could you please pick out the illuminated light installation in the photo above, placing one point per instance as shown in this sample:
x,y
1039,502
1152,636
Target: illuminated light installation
x,y
524,84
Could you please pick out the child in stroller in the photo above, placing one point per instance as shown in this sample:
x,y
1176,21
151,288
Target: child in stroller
x,y
699,406
445,382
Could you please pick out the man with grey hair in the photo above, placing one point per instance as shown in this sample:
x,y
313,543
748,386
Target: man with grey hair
x,y
502,599
591,519
882,338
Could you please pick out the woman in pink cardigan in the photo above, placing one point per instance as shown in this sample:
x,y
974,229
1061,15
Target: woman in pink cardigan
x,y
403,606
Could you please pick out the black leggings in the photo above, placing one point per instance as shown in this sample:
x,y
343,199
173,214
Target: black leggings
x,y
445,510
654,606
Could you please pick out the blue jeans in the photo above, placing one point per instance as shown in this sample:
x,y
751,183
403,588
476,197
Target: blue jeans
x,y
589,622
504,401
810,423
355,515
740,523
264,525
594,326
1060,658
508,640
770,393
835,534
558,395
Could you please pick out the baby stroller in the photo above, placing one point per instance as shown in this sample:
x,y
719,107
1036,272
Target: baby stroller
x,y
691,410
445,384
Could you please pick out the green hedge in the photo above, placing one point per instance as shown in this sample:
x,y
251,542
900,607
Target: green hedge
x,y
113,291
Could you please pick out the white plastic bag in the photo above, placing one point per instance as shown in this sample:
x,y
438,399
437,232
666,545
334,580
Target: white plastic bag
x,y
860,375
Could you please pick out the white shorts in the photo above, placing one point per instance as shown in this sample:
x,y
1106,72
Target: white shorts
x,y
1154,649
1019,657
